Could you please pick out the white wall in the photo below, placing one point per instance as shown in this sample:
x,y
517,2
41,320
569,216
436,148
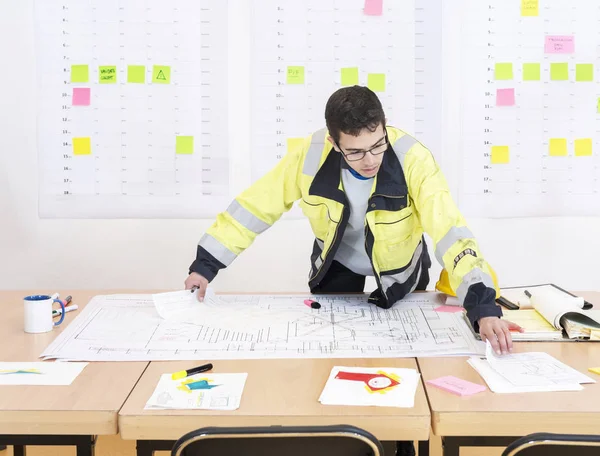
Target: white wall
x,y
142,254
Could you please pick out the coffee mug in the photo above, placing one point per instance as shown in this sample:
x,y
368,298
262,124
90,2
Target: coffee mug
x,y
38,313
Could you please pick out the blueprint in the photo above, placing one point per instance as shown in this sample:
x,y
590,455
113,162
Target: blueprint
x,y
129,328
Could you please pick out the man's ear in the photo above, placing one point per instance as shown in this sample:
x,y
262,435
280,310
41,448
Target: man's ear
x,y
335,147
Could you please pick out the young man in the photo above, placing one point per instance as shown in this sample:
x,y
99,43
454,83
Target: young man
x,y
370,191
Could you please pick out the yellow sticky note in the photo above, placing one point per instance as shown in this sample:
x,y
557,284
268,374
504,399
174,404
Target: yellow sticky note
x,y
583,147
136,74
184,145
107,75
531,72
503,71
530,8
161,74
295,75
349,76
595,370
82,146
598,106
500,155
559,71
584,72
558,147
294,144
376,82
80,73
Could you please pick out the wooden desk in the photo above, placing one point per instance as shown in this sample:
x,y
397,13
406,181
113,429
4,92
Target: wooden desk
x,y
58,415
277,392
497,419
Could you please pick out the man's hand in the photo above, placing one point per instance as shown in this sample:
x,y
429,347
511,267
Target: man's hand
x,y
497,331
198,281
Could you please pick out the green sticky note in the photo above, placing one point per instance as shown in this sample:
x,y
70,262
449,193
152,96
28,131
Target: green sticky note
x,y
531,72
80,73
107,75
584,72
295,75
598,106
349,76
559,71
184,145
161,74
136,74
376,82
503,71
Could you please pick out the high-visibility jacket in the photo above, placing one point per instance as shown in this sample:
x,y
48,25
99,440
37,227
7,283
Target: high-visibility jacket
x,y
410,196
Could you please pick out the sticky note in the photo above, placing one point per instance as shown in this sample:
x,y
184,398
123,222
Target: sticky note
x,y
80,73
82,146
559,44
583,147
449,309
81,96
584,72
456,385
161,74
559,71
294,143
595,370
373,7
505,97
598,106
503,71
558,147
184,145
295,75
500,155
376,82
531,72
349,76
107,75
136,74
530,8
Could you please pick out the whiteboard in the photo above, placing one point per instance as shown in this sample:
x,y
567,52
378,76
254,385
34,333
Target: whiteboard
x,y
530,112
132,102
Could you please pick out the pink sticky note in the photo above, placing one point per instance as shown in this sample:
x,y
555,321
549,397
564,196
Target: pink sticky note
x,y
81,96
456,385
505,97
450,309
560,44
373,7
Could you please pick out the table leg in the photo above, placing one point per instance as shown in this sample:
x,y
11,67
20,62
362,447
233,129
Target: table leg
x,y
86,448
423,448
19,450
450,446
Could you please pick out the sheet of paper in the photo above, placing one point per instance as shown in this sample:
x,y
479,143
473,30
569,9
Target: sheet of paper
x,y
39,373
202,391
383,387
129,328
457,385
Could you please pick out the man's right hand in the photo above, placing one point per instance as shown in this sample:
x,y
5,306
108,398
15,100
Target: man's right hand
x,y
198,281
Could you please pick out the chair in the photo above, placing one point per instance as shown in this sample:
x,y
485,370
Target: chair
x,y
545,444
278,440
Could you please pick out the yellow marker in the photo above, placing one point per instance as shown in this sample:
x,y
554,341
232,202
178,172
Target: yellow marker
x,y
294,144
295,75
584,72
136,74
82,146
161,74
559,71
107,75
531,72
558,147
184,145
583,147
595,370
503,71
376,82
80,73
500,155
349,76
530,8
186,373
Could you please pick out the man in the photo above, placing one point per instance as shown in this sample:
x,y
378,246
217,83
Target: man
x,y
369,192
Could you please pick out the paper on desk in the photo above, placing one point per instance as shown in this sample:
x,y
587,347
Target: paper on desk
x,y
527,372
57,374
214,392
385,386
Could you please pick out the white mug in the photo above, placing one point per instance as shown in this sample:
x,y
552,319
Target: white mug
x,y
38,313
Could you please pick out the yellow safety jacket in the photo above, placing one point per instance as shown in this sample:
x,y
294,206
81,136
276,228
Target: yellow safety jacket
x,y
410,196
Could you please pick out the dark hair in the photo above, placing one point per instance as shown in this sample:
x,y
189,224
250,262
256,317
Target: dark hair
x,y
352,109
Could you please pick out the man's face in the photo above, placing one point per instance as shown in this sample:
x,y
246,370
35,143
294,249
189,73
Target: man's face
x,y
353,148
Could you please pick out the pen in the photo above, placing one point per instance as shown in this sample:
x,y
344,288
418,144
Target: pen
x,y
57,312
192,371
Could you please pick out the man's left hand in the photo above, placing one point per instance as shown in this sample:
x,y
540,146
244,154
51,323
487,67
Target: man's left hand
x,y
497,331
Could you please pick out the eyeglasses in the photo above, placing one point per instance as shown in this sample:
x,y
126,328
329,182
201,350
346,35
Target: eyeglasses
x,y
375,150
